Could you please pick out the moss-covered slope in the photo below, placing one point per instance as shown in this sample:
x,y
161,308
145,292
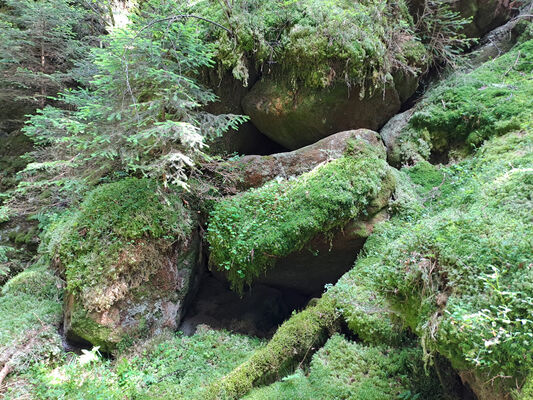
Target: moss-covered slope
x,y
468,108
458,269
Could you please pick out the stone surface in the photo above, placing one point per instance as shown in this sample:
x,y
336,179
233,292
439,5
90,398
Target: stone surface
x,y
156,303
326,258
500,40
390,134
296,118
256,170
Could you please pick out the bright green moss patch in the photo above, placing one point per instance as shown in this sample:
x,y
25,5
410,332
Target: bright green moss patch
x,y
249,231
118,232
30,310
492,100
458,270
348,370
173,367
312,42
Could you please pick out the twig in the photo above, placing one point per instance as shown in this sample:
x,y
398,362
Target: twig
x,y
514,64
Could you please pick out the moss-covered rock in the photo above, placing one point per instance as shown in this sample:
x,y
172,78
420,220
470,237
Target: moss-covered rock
x,y
292,344
348,370
457,268
463,111
128,254
30,309
251,232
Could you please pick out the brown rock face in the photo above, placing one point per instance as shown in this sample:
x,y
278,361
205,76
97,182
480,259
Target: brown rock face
x,y
155,303
296,118
257,170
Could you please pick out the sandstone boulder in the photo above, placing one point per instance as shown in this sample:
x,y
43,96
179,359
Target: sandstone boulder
x,y
256,170
304,227
296,118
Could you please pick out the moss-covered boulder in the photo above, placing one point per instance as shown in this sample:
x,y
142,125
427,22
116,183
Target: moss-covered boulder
x,y
299,117
323,70
273,233
466,109
457,267
129,254
30,310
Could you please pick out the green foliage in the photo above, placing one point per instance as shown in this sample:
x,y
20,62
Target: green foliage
x,y
458,269
440,29
141,113
314,43
30,305
249,231
39,42
118,233
366,311
469,108
293,342
165,368
348,370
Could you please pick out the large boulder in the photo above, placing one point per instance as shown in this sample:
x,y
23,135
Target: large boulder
x,y
255,170
281,233
299,117
129,255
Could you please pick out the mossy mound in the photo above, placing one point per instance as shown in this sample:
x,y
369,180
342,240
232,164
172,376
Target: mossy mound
x,y
313,43
457,269
128,254
30,309
348,370
118,231
249,231
469,108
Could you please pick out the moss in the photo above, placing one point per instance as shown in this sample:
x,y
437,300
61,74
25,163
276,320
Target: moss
x,y
458,270
166,367
469,108
30,306
348,370
249,231
293,342
366,311
118,232
526,393
313,45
